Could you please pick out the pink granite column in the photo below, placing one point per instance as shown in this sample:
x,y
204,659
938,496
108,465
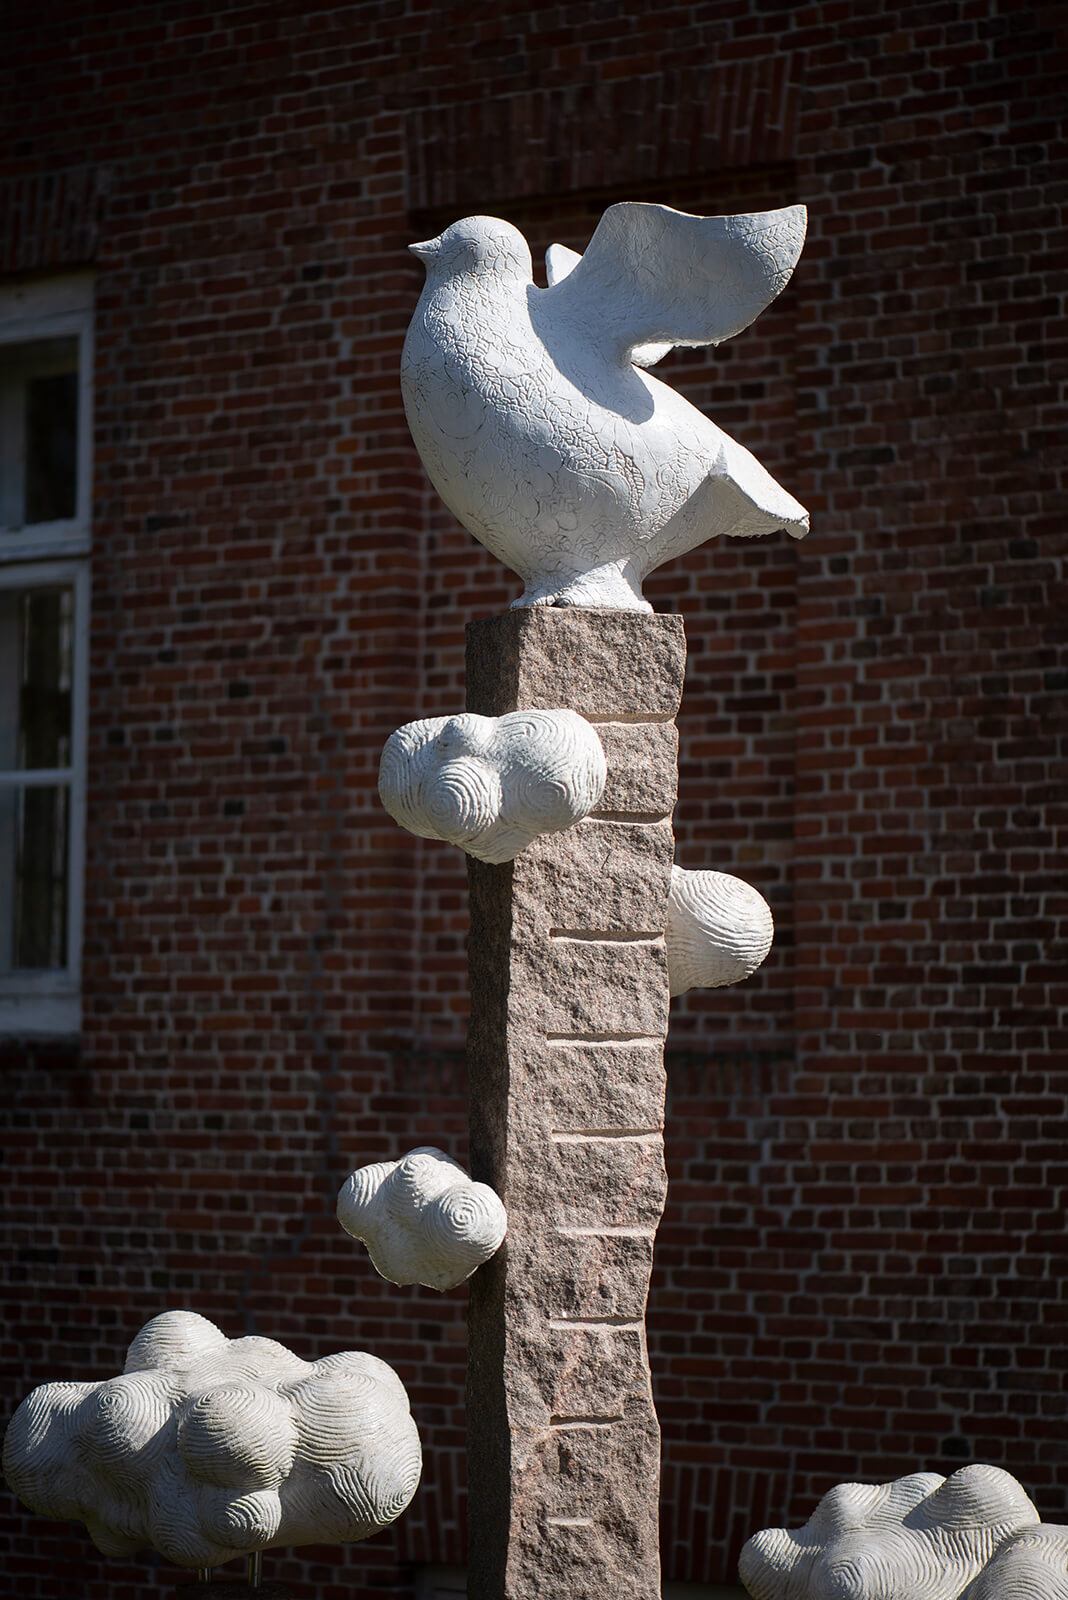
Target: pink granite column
x,y
569,995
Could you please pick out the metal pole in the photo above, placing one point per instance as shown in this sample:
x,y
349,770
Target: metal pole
x,y
203,1574
255,1569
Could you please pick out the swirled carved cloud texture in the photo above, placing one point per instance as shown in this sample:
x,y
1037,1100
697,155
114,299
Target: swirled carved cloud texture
x,y
1032,1565
492,784
923,1537
206,1448
719,929
422,1219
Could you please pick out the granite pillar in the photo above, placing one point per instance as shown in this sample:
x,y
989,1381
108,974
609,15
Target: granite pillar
x,y
569,998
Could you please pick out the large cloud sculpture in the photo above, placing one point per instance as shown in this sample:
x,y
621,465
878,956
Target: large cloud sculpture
x,y
719,930
422,1218
923,1537
1032,1565
208,1448
492,784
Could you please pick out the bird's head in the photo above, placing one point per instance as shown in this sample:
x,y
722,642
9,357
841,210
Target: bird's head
x,y
477,244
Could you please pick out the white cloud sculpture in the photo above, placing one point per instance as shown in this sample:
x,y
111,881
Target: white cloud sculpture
x,y
207,1448
922,1537
1032,1565
492,784
719,930
422,1218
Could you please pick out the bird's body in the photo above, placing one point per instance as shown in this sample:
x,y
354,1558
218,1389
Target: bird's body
x,y
571,464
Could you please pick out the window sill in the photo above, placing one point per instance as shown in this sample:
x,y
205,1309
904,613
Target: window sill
x,y
44,543
40,1016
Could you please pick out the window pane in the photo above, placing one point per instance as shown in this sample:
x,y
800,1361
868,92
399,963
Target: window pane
x,y
38,432
36,667
34,844
51,447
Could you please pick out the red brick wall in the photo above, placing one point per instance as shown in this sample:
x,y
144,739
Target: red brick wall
x,y
861,1271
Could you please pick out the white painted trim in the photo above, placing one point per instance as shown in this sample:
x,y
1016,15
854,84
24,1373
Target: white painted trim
x,y
36,777
56,309
40,1016
48,1004
22,305
42,1003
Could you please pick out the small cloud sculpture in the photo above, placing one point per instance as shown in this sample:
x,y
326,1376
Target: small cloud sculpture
x,y
922,1537
719,930
208,1448
492,784
422,1218
1032,1565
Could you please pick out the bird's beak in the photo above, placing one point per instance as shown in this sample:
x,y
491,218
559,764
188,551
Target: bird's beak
x,y
427,249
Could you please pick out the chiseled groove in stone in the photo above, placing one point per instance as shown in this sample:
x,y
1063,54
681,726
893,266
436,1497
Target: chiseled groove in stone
x,y
616,1230
598,1135
629,816
605,1039
628,718
606,935
587,1422
607,1321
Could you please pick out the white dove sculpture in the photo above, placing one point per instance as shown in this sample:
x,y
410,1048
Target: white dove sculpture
x,y
538,427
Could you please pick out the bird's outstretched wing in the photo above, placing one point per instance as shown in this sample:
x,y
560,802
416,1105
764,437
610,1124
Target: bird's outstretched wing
x,y
653,277
559,261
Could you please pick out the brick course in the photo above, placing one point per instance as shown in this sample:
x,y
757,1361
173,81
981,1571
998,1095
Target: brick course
x,y
861,1269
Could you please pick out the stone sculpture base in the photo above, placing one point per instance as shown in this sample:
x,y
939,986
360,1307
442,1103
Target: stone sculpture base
x,y
235,1589
569,992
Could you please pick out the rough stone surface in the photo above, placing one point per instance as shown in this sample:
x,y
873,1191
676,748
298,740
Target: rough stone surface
x,y
613,668
642,764
598,1275
584,986
569,1012
616,1079
571,898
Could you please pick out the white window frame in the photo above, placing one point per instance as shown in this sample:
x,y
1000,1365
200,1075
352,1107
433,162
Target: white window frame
x,y
48,1003
61,309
